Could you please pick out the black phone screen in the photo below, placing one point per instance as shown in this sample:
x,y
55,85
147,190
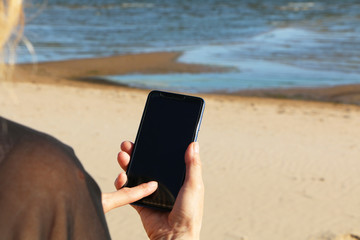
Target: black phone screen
x,y
169,124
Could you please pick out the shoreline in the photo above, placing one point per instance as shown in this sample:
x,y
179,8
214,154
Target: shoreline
x,y
340,94
88,73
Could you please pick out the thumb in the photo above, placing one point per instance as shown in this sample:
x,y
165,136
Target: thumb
x,y
189,203
193,176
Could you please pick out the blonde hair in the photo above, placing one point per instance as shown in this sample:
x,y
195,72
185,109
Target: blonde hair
x,y
11,27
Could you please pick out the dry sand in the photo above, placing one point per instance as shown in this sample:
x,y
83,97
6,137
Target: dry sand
x,y
273,169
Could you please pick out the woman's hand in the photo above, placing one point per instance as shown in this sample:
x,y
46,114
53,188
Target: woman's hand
x,y
124,196
184,221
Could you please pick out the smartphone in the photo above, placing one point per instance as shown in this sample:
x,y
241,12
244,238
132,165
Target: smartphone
x,y
170,122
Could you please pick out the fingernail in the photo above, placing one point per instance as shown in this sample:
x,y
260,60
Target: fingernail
x,y
152,184
196,147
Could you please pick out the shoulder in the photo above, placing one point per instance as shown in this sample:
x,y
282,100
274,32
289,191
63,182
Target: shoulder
x,y
24,142
41,167
42,179
31,154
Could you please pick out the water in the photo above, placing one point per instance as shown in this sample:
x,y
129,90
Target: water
x,y
269,44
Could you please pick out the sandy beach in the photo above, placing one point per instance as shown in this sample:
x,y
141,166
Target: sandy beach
x,y
273,168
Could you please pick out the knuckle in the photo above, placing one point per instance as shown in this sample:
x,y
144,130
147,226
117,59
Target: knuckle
x,y
196,161
198,187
